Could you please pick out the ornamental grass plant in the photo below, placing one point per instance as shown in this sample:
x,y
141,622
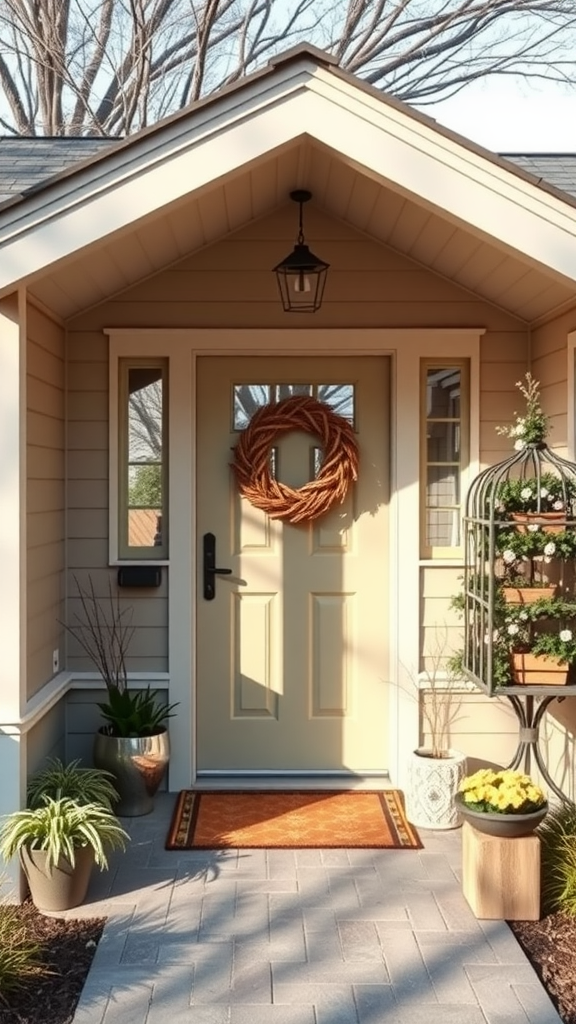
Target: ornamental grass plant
x,y
558,859
501,792
20,954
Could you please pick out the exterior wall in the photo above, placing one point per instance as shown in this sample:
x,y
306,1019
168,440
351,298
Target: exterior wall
x,y
550,366
87,467
45,494
231,284
47,738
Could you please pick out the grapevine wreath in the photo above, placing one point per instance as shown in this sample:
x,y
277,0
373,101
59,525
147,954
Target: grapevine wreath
x,y
339,464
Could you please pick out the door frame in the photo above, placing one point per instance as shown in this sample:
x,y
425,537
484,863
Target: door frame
x,y
405,347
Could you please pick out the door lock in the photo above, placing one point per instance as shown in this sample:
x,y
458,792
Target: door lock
x,y
210,570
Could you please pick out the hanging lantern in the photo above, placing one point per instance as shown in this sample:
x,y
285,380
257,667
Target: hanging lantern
x,y
301,276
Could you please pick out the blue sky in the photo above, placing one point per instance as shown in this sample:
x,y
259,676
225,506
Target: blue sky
x,y
513,116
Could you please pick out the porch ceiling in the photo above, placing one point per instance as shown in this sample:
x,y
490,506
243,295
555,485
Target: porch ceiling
x,y
377,208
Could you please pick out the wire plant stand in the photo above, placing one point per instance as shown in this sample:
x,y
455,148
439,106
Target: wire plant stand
x,y
519,593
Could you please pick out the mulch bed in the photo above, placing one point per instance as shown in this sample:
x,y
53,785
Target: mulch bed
x,y
68,948
550,944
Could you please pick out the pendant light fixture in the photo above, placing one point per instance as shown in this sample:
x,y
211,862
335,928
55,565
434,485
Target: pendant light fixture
x,y
301,276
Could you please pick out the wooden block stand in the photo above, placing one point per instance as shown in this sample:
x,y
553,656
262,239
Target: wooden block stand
x,y
501,877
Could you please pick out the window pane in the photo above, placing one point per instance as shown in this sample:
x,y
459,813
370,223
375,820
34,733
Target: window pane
x,y
340,398
442,528
443,442
443,393
288,390
248,398
442,485
144,470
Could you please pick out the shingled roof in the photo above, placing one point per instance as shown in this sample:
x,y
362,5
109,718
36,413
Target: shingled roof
x,y
558,169
27,163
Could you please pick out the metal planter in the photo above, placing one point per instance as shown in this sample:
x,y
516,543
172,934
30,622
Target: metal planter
x,y
138,764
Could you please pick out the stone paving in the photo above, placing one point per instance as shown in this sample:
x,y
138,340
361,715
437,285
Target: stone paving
x,y
298,937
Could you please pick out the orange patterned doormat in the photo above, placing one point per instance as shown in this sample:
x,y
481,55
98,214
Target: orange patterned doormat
x,y
291,820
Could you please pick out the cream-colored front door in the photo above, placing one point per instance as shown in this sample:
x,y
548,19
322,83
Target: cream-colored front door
x,y
292,651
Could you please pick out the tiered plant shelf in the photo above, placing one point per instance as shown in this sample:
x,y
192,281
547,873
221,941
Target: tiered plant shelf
x,y
519,595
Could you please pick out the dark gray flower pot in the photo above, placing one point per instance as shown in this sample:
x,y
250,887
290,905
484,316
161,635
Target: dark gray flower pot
x,y
138,764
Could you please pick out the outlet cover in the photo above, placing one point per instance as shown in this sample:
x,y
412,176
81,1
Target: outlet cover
x,y
55,661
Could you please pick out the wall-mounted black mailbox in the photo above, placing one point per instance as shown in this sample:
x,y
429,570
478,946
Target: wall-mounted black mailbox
x,y
139,576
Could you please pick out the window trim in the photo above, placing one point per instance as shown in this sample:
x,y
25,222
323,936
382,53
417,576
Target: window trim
x,y
436,553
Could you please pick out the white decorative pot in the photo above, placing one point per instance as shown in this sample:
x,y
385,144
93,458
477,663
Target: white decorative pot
x,y
432,785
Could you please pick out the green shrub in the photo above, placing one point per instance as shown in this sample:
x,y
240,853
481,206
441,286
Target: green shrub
x,y
558,859
20,955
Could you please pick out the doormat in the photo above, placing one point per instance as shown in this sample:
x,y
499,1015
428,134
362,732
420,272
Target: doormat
x,y
291,820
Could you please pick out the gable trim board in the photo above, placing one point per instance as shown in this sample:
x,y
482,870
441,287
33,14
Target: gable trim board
x,y
232,131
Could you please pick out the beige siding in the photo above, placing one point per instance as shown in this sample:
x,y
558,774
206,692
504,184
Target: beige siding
x,y
550,367
231,284
483,729
45,495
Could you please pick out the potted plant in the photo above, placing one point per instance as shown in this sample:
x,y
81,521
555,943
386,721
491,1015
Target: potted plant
x,y
133,743
435,769
85,785
58,843
505,803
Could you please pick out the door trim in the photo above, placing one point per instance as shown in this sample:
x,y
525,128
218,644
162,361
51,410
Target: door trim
x,y
405,346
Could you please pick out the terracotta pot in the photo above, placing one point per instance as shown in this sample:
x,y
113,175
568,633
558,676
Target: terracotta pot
x,y
63,886
505,826
529,669
527,595
548,522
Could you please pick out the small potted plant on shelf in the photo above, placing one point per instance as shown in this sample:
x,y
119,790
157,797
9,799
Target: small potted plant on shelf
x,y
133,744
66,829
506,802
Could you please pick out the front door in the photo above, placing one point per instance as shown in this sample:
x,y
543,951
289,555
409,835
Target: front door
x,y
292,652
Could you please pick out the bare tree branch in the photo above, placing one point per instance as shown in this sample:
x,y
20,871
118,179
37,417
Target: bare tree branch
x,y
109,67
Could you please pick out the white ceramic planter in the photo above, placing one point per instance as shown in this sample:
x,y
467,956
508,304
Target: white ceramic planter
x,y
432,785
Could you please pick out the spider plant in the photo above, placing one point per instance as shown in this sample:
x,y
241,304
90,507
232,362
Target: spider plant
x,y
85,785
59,827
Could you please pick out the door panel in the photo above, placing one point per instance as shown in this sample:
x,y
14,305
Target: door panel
x,y
292,654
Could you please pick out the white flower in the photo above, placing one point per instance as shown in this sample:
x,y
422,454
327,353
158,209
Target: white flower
x,y
508,556
523,616
513,629
565,634
543,492
533,527
558,506
519,445
525,493
549,548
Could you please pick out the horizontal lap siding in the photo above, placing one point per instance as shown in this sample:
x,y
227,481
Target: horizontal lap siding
x,y
88,489
550,367
45,495
231,284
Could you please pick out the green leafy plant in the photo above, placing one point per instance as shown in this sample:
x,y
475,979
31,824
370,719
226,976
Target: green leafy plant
x,y
547,493
104,631
558,859
501,792
20,954
136,713
85,785
531,427
59,827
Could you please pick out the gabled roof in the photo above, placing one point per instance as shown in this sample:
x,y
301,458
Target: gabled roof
x,y
26,163
234,156
557,169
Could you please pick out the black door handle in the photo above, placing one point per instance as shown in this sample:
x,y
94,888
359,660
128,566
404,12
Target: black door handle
x,y
210,570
